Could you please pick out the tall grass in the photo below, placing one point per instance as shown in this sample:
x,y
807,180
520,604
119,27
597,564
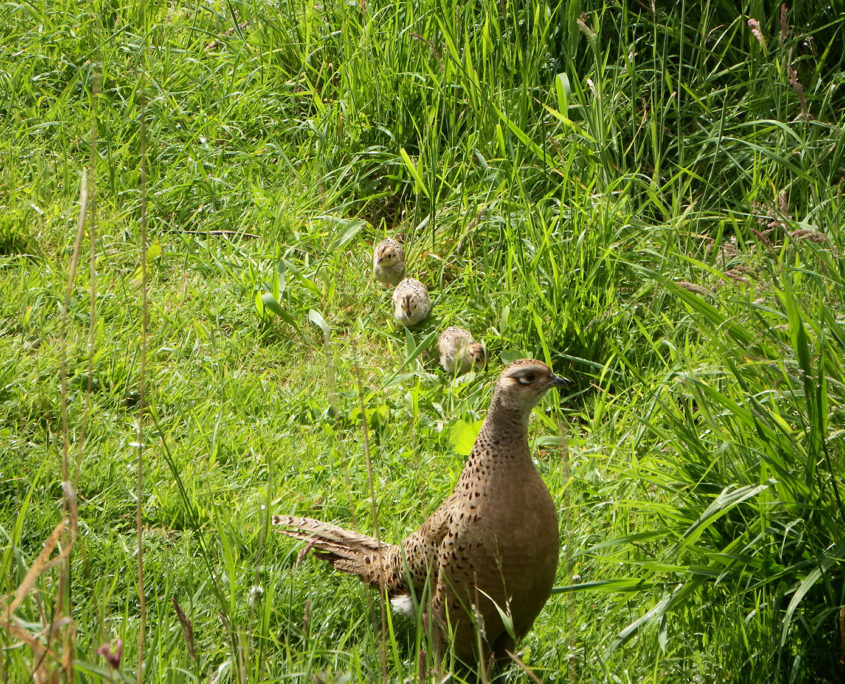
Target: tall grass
x,y
648,196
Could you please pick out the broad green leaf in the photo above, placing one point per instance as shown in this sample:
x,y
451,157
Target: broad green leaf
x,y
317,319
462,436
419,185
562,89
269,303
153,251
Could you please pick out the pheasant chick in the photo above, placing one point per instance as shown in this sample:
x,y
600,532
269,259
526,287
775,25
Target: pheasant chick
x,y
410,302
458,350
389,262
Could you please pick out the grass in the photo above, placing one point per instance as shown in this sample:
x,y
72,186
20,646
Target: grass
x,y
648,198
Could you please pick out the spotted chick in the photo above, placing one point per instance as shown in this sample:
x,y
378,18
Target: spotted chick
x,y
459,352
410,302
491,546
389,262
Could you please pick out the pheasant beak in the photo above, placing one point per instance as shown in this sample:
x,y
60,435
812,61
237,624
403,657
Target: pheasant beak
x,y
558,381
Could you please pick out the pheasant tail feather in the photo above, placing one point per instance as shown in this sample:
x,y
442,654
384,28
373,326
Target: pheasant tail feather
x,y
347,551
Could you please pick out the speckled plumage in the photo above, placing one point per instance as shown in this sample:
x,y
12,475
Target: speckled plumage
x,y
495,537
410,302
389,262
459,350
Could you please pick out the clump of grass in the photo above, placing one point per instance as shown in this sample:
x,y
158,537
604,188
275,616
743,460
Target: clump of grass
x,y
15,235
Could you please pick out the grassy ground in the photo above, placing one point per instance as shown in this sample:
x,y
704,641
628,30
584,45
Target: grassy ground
x,y
648,198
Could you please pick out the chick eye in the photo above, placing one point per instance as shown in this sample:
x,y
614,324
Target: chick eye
x,y
527,379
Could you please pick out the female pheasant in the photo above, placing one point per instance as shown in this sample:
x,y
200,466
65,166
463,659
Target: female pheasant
x,y
491,546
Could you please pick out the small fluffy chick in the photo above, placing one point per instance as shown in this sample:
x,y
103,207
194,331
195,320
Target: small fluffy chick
x,y
389,262
410,302
459,350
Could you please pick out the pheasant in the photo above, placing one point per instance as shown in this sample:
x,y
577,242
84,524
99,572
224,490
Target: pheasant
x,y
410,302
459,350
389,262
491,545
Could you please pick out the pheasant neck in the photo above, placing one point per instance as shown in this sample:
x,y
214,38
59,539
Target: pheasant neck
x,y
505,427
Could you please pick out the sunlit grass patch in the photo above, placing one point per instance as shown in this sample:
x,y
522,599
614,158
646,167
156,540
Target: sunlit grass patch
x,y
650,200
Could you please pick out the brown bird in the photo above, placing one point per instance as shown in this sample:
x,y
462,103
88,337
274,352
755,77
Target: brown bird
x,y
459,350
389,262
411,303
495,539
